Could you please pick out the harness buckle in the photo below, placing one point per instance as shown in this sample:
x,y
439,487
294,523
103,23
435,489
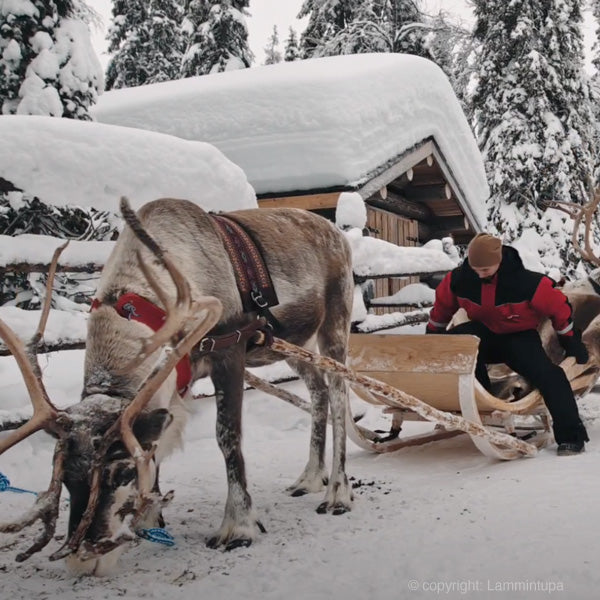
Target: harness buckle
x,y
129,308
258,299
202,346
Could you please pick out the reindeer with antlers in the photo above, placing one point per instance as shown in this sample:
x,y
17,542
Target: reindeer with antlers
x,y
132,414
583,294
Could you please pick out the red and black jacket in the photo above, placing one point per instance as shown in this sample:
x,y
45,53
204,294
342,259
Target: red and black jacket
x,y
514,300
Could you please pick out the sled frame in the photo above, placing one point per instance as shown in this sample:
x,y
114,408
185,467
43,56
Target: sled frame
x,y
440,371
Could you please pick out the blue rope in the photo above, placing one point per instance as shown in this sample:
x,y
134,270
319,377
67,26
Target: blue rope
x,y
153,534
6,487
158,535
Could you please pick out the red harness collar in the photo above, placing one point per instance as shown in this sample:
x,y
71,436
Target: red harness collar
x,y
134,307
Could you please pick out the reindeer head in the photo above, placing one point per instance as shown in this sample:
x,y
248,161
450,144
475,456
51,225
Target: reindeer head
x,y
106,445
118,511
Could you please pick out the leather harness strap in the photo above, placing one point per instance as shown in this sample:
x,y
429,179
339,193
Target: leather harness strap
x,y
258,332
133,307
255,288
251,274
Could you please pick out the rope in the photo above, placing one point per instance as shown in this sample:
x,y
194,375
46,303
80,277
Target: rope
x,y
158,535
6,487
153,534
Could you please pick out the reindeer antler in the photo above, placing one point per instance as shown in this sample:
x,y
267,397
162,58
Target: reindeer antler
x,y
581,213
204,314
177,311
45,416
45,413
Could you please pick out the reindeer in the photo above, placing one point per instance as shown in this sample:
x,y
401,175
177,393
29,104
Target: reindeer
x,y
132,414
583,296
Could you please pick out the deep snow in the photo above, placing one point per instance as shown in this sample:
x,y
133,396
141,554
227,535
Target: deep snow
x,y
438,515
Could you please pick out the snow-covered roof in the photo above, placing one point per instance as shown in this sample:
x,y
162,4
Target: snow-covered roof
x,y
80,163
315,124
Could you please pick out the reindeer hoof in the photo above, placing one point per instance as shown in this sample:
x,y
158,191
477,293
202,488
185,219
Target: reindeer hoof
x,y
241,543
306,485
242,538
336,509
340,509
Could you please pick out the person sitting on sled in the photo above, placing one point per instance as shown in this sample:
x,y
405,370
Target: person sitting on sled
x,y
505,303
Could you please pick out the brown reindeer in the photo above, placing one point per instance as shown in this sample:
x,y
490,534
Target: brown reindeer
x,y
131,414
583,295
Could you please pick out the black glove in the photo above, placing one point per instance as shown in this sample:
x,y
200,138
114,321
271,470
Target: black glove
x,y
573,346
427,330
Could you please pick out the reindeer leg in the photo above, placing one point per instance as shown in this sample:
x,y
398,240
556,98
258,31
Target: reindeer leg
x,y
338,498
314,477
239,526
333,342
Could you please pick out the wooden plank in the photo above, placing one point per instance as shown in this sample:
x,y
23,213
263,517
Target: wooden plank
x,y
414,353
308,202
399,239
397,230
427,193
402,206
375,217
385,234
395,237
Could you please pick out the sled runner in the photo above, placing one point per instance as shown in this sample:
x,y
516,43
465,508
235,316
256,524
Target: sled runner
x,y
441,373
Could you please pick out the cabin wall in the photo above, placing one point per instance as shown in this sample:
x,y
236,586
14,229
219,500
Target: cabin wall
x,y
398,230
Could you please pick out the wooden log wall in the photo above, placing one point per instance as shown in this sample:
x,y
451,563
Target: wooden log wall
x,y
397,230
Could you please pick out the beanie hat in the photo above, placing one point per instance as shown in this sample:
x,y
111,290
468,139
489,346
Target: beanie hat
x,y
485,250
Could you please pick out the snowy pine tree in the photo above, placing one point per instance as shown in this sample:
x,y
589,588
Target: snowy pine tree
x,y
47,63
292,49
451,46
595,6
327,18
272,53
532,117
145,42
595,89
217,37
359,26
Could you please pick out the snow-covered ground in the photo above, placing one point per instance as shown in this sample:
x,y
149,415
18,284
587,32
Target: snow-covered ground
x,y
439,520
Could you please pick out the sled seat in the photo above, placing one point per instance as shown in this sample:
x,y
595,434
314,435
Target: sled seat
x,y
439,370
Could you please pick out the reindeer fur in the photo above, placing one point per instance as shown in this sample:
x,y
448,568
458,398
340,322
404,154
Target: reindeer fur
x,y
310,264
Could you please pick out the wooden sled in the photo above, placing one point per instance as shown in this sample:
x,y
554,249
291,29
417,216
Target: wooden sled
x,y
440,371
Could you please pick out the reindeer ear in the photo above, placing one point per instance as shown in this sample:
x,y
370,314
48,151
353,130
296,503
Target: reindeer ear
x,y
148,427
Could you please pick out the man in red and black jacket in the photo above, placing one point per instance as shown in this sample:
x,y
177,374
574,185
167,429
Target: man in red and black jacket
x,y
505,303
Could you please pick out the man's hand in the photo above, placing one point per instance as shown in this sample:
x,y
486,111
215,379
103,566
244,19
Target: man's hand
x,y
427,330
573,346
